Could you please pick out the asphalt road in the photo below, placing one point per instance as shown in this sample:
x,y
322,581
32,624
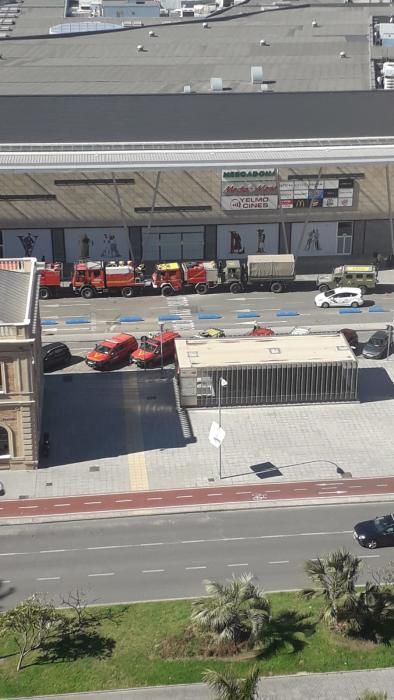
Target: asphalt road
x,y
136,559
81,323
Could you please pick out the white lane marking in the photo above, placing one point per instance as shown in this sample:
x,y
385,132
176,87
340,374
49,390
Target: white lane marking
x,y
107,573
243,564
194,568
124,500
6,580
92,503
273,491
240,493
354,487
76,303
61,505
153,571
369,556
51,551
155,498
214,494
381,484
48,578
184,496
282,561
300,489
26,507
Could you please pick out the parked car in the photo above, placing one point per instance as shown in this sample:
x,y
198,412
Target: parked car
x,y
376,347
55,356
375,533
212,333
150,350
261,331
112,352
342,296
351,337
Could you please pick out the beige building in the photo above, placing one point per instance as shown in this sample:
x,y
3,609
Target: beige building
x,y
21,385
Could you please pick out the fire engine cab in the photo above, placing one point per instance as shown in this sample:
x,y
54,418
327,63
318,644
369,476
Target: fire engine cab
x,y
92,278
171,277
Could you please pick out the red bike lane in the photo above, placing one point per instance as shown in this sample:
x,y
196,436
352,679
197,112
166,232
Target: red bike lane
x,y
304,491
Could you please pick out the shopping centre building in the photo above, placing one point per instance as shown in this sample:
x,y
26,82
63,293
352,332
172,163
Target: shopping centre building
x,y
250,132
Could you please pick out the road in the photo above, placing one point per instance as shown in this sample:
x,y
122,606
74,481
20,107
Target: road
x,y
82,322
170,556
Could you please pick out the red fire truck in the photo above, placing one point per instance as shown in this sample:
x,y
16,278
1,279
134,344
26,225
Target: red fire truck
x,y
90,279
50,279
204,275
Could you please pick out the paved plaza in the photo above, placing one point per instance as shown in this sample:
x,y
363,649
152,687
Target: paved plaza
x,y
122,431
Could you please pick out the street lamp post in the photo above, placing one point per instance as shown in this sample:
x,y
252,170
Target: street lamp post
x,y
161,325
222,384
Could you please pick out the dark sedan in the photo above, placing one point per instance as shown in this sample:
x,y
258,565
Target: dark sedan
x,y
376,347
375,533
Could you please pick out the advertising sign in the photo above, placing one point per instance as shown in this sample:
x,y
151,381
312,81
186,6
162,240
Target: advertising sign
x,y
320,238
302,194
28,243
97,244
247,203
239,240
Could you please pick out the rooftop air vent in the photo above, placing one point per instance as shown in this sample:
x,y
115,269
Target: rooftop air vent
x,y
216,84
187,89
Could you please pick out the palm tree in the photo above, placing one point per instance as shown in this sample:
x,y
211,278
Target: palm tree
x,y
373,610
236,611
227,686
335,575
373,695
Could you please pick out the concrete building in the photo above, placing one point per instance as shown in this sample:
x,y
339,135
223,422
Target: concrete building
x,y
266,371
21,384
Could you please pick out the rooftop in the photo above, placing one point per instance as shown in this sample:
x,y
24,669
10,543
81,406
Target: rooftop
x,y
296,56
224,352
18,300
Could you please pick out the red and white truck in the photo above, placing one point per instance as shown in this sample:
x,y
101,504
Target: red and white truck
x,y
50,279
204,275
91,279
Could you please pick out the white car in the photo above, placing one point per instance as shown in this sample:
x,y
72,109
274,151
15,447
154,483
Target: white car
x,y
342,296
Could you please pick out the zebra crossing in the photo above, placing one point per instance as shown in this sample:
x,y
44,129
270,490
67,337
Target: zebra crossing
x,y
181,307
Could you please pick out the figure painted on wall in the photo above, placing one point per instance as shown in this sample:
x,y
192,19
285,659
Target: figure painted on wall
x,y
28,244
260,240
84,246
110,250
313,242
236,243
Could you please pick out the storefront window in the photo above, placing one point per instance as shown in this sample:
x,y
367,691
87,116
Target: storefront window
x,y
4,442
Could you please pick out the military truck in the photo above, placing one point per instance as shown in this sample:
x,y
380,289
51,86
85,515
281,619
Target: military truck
x,y
365,277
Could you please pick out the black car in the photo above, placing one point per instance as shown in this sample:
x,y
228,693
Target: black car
x,y
376,347
375,533
55,356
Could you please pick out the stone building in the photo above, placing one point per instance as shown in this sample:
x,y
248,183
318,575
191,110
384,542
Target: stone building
x,y
21,384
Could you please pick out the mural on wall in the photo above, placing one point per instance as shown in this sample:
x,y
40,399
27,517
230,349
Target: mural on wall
x,y
28,243
240,240
320,238
97,244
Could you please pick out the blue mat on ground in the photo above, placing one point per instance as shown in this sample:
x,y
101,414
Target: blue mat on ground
x,y
207,317
75,321
248,314
350,311
130,319
287,313
170,317
48,322
376,310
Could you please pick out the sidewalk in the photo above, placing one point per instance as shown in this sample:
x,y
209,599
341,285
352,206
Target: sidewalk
x,y
316,686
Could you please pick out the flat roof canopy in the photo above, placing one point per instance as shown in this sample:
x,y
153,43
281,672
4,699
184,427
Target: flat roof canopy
x,y
223,352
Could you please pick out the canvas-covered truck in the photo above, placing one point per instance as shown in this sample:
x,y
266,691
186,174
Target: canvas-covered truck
x,y
275,272
91,279
365,277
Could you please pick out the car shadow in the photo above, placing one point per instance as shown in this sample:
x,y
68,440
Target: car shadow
x,y
75,360
374,384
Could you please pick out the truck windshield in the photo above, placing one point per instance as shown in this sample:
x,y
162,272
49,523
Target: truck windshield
x,y
103,349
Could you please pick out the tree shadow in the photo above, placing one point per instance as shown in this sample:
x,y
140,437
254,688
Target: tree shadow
x,y
4,592
76,645
287,631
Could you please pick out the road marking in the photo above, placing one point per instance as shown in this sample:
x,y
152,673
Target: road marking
x,y
26,507
241,493
6,580
194,568
153,571
243,564
155,498
61,505
107,573
283,561
184,496
48,578
300,489
124,500
214,494
51,551
369,556
354,487
92,503
273,491
381,484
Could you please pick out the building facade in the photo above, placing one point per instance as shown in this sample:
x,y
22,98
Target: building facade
x,y
21,384
322,215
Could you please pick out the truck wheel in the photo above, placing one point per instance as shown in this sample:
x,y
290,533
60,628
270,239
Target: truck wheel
x,y
167,291
127,292
87,293
277,287
363,289
323,287
235,287
44,293
201,288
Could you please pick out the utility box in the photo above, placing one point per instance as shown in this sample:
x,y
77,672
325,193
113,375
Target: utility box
x,y
276,370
